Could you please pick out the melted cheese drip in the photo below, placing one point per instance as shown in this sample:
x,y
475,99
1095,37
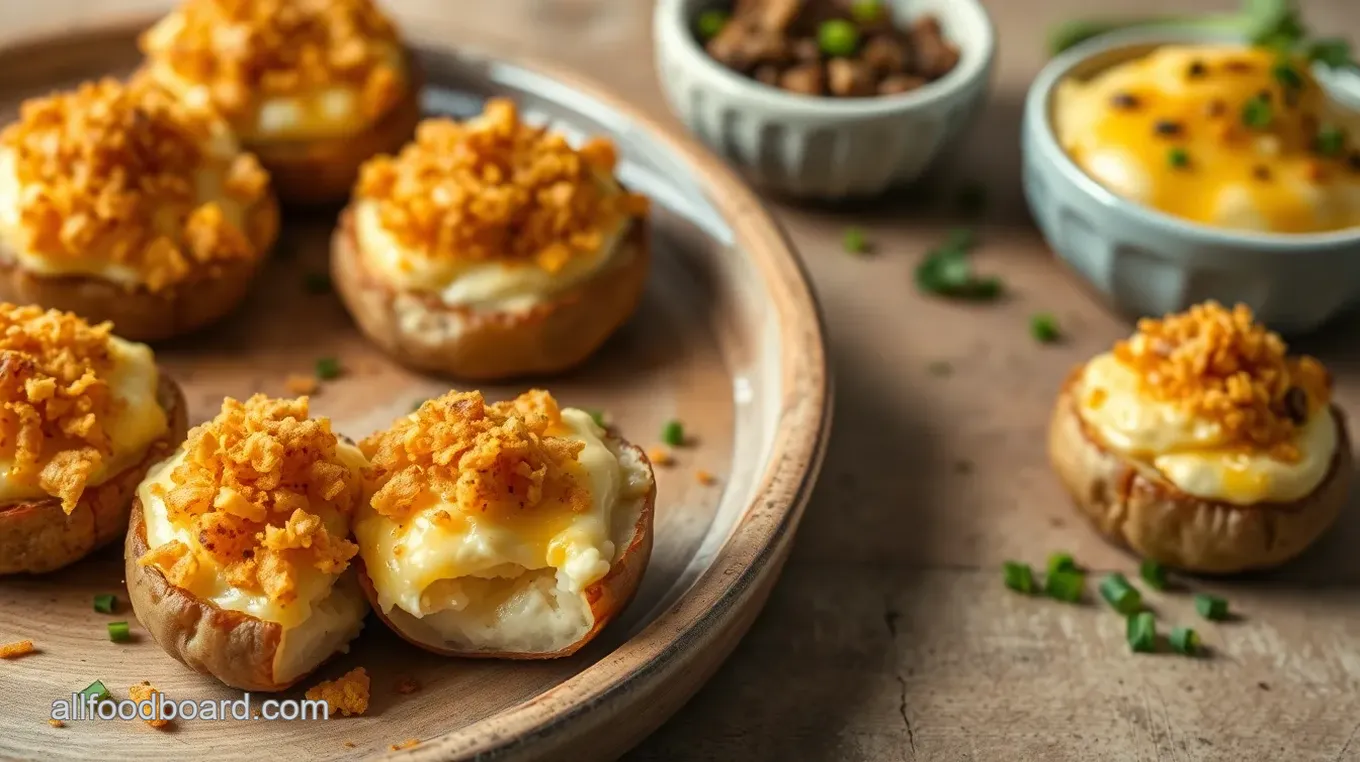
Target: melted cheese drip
x,y
135,421
327,112
313,586
1190,452
425,567
1265,180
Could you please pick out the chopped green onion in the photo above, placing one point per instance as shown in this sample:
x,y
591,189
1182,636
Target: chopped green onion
x,y
853,241
866,11
598,417
1288,77
1153,573
1122,596
1331,141
1211,606
1185,641
838,37
97,690
673,434
711,22
119,632
1044,327
1141,632
327,368
1256,113
1333,52
1065,586
1019,577
946,271
104,603
1061,562
1178,157
317,283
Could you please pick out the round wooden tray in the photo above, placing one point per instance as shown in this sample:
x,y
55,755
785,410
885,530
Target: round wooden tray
x,y
728,340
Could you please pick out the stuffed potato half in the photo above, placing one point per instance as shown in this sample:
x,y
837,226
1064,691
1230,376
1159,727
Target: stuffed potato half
x,y
512,530
237,556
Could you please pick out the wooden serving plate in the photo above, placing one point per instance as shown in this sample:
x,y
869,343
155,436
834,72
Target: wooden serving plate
x,y
728,340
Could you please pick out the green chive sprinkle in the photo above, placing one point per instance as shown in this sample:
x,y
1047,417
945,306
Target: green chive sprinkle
x,y
327,368
1178,157
1153,573
1044,327
1185,641
854,242
1061,562
1141,632
838,37
97,690
673,434
119,632
1287,76
317,283
1256,113
866,11
104,603
1211,607
1121,596
1331,141
598,417
1065,586
709,23
1019,577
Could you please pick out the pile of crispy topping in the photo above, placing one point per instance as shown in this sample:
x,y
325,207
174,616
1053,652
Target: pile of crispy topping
x,y
109,170
494,460
257,486
1219,365
244,49
54,399
347,694
495,188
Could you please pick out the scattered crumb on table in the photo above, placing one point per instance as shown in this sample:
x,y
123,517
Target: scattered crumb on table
x,y
13,650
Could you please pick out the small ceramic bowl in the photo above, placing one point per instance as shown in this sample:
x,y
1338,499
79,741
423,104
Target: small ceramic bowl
x,y
1146,262
824,147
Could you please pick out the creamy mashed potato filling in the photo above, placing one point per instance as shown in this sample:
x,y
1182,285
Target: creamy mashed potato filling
x,y
492,580
1217,135
1211,401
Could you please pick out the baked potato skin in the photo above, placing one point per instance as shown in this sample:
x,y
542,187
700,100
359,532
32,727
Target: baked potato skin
x,y
424,334
232,646
37,536
1134,506
608,596
139,314
310,173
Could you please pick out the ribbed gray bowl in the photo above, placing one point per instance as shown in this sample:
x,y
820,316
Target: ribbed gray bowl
x,y
824,147
1149,263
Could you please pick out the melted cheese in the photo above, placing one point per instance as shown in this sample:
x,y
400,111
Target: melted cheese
x,y
1122,125
1190,452
313,587
135,420
424,567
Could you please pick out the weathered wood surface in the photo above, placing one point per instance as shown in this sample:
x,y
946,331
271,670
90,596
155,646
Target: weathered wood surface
x,y
889,636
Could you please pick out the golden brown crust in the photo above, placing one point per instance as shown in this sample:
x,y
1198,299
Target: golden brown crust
x,y
319,172
551,337
1135,506
139,314
607,597
37,536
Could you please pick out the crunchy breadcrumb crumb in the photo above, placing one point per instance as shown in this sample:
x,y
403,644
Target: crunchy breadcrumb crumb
x,y
56,723
254,486
407,686
705,478
495,188
298,384
13,650
660,456
110,171
501,458
144,691
245,51
347,694
407,744
350,744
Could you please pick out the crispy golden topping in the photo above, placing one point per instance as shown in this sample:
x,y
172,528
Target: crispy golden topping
x,y
54,399
296,383
347,694
13,650
1219,365
257,484
110,170
243,50
660,456
499,459
144,691
409,743
56,723
495,188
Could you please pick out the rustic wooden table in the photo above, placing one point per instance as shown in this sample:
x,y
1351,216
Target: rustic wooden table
x,y
890,635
